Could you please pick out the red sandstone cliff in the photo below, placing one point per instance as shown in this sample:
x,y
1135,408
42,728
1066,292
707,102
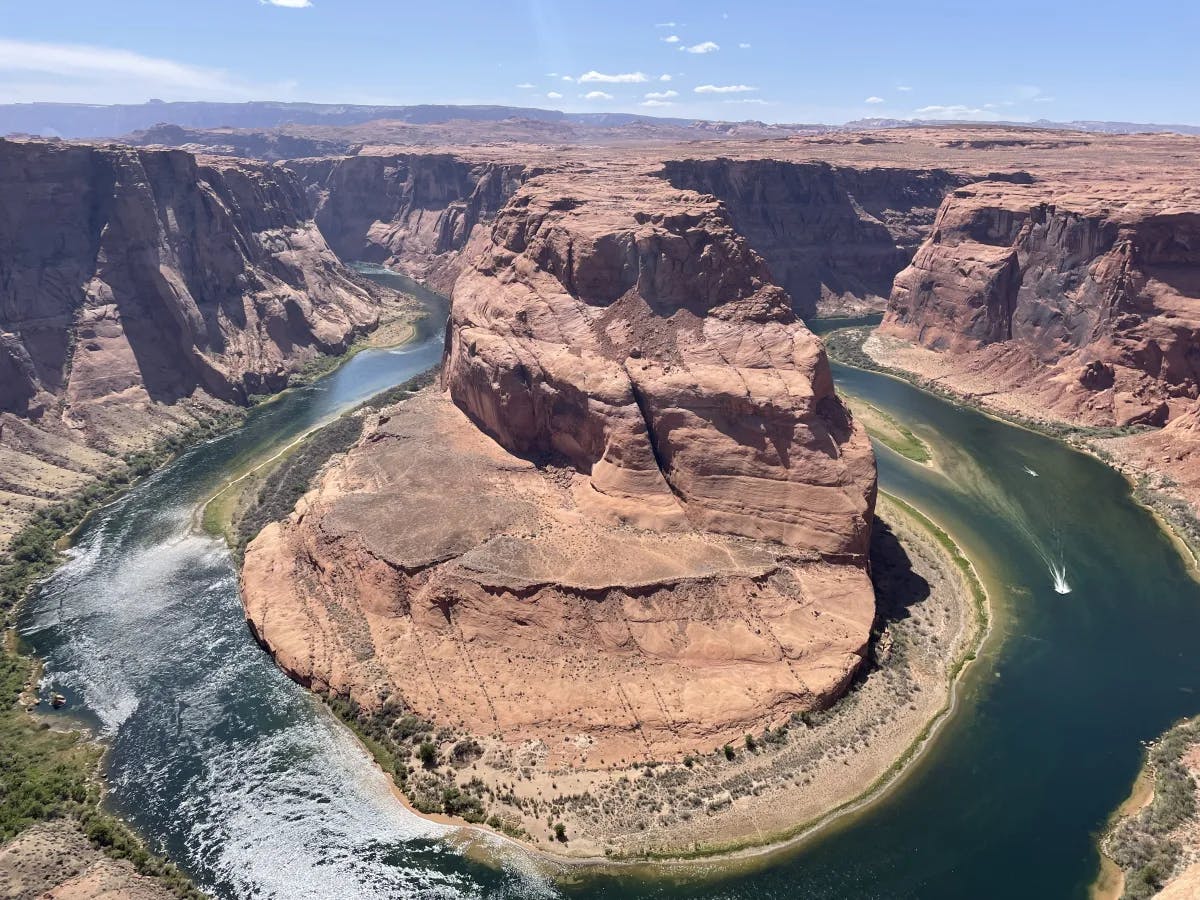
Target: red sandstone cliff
x,y
634,523
131,280
418,212
834,236
1078,302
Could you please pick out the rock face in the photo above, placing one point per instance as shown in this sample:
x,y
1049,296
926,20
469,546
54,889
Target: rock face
x,y
1083,299
633,523
834,236
132,280
424,213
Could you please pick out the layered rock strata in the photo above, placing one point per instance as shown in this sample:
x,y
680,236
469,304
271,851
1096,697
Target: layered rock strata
x,y
136,288
635,521
1076,302
834,236
425,213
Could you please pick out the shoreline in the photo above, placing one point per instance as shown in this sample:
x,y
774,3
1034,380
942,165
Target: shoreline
x,y
1152,836
1075,437
757,851
110,838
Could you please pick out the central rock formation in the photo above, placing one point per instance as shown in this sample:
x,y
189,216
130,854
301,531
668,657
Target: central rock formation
x,y
633,524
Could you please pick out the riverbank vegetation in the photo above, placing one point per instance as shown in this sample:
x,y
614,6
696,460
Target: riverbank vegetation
x,y
889,431
1146,843
270,490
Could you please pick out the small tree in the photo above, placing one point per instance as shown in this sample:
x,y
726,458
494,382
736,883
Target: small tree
x,y
560,832
427,753
728,751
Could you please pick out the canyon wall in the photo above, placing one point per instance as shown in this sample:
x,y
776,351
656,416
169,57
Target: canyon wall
x,y
633,523
424,213
1080,302
132,280
834,236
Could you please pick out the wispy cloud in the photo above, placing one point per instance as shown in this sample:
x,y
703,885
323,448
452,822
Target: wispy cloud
x,y
750,101
724,89
553,95
597,95
904,87
32,70
526,86
874,100
950,111
744,45
287,4
662,95
671,39
664,77
702,47
666,25
623,78
656,103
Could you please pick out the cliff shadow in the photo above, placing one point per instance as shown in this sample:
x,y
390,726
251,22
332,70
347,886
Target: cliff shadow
x,y
898,588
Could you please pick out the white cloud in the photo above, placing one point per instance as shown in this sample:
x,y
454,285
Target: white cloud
x,y
554,95
950,111
671,39
596,95
289,4
664,77
724,89
743,46
662,95
904,87
656,103
526,86
567,78
753,101
870,100
551,74
32,71
702,47
666,25
1043,99
623,78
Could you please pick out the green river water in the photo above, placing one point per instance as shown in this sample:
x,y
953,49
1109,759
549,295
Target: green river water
x,y
243,779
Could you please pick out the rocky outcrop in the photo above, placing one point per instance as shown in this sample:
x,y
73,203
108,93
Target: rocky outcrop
x,y
425,213
1081,302
132,280
834,236
635,521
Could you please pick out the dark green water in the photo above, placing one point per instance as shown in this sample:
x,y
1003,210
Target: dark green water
x,y
240,776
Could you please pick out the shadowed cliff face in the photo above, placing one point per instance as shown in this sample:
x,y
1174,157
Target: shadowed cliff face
x,y
136,287
417,212
834,237
1096,287
125,269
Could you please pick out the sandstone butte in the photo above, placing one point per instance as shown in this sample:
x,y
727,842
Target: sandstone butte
x,y
633,522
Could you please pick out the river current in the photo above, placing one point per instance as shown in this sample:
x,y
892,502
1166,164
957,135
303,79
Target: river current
x,y
244,780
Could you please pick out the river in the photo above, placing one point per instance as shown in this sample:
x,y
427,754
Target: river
x,y
240,776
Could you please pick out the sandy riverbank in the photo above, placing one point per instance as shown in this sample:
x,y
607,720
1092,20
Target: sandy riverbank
x,y
1152,845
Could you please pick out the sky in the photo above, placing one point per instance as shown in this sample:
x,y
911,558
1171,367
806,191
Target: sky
x,y
796,62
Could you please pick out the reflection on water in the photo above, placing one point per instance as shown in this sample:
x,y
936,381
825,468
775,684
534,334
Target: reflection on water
x,y
240,776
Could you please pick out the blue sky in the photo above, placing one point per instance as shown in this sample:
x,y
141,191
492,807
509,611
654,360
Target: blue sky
x,y
773,61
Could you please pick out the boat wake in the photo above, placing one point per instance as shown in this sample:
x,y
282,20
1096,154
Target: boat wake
x,y
1059,574
1030,471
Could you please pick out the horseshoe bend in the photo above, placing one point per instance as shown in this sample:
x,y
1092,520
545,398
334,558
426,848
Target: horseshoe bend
x,y
630,526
